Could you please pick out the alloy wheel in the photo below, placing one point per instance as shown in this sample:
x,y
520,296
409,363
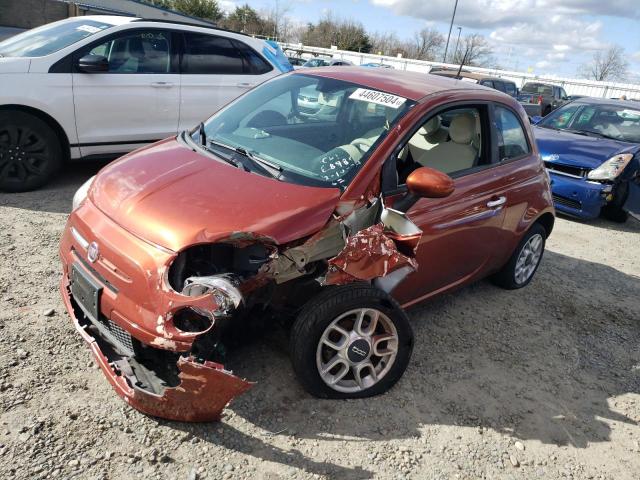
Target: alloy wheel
x,y
357,350
528,258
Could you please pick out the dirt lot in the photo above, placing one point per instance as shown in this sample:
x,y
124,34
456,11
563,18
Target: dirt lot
x,y
543,382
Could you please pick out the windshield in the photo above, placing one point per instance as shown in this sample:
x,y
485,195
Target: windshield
x,y
315,131
50,38
618,122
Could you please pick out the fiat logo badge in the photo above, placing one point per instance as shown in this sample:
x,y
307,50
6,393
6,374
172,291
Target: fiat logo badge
x,y
92,252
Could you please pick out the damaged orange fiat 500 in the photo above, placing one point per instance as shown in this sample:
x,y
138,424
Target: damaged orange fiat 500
x,y
327,201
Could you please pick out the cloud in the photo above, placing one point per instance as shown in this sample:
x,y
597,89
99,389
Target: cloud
x,y
543,64
483,14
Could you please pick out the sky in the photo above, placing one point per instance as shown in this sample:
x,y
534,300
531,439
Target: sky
x,y
541,36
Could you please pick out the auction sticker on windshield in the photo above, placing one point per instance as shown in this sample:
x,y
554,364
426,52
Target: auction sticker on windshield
x,y
381,98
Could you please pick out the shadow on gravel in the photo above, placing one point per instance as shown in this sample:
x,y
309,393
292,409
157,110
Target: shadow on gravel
x,y
632,225
56,196
546,363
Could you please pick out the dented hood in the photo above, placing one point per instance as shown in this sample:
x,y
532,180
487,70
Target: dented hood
x,y
174,197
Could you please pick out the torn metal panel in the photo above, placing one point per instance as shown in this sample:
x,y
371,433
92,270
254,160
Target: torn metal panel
x,y
377,251
368,254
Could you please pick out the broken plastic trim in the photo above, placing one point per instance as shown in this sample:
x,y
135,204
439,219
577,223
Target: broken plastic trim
x,y
203,391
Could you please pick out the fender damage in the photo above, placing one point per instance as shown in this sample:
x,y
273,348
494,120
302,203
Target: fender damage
x,y
174,374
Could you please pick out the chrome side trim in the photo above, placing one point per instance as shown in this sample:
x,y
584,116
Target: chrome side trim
x,y
83,242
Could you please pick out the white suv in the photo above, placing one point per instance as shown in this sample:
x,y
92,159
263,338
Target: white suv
x,y
101,86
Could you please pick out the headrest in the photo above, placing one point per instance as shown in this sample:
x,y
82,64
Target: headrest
x,y
135,47
431,127
462,129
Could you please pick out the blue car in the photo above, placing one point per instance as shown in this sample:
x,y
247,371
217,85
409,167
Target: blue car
x,y
591,149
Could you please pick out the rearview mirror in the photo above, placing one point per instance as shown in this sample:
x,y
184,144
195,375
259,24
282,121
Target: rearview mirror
x,y
429,183
93,64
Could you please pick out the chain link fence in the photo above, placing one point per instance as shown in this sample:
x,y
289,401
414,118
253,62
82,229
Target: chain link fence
x,y
572,86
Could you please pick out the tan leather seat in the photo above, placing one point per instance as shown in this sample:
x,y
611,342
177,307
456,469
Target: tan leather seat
x,y
428,136
456,154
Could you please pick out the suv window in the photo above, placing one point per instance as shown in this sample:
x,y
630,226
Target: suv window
x,y
209,55
450,142
487,83
138,52
498,85
254,63
563,94
510,88
512,141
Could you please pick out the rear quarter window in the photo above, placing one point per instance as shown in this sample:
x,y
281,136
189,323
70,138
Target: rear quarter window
x,y
210,55
538,88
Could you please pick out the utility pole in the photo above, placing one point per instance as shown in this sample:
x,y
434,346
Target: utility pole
x,y
275,23
444,59
455,52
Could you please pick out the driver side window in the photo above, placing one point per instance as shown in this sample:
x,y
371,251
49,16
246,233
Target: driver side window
x,y
138,52
451,142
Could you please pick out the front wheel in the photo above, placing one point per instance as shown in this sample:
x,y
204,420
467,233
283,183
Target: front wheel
x,y
350,341
524,262
30,152
614,210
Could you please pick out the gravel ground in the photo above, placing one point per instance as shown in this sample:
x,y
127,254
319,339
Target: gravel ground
x,y
542,382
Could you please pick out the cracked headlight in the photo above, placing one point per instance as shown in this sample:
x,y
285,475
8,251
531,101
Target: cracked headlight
x,y
610,169
81,194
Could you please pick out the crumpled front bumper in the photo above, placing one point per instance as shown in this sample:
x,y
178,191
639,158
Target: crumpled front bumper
x,y
204,390
578,197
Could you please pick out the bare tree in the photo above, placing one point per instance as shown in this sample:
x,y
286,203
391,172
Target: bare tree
x,y
385,43
475,51
606,65
426,44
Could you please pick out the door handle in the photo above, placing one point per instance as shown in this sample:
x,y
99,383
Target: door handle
x,y
162,84
496,203
244,85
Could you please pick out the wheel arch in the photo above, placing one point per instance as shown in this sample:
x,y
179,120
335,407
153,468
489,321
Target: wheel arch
x,y
49,120
547,220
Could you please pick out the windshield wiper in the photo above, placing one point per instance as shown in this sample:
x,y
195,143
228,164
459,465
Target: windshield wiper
x,y
252,157
230,160
264,163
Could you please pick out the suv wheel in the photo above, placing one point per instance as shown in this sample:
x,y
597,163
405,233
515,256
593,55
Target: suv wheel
x,y
350,341
30,152
524,262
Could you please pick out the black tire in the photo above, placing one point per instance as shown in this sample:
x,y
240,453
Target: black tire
x,y
506,277
30,152
320,312
614,210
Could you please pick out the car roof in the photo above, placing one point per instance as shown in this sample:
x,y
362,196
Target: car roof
x,y
607,101
473,75
411,85
110,19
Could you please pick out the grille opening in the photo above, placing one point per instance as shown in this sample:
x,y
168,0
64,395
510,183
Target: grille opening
x,y
567,202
